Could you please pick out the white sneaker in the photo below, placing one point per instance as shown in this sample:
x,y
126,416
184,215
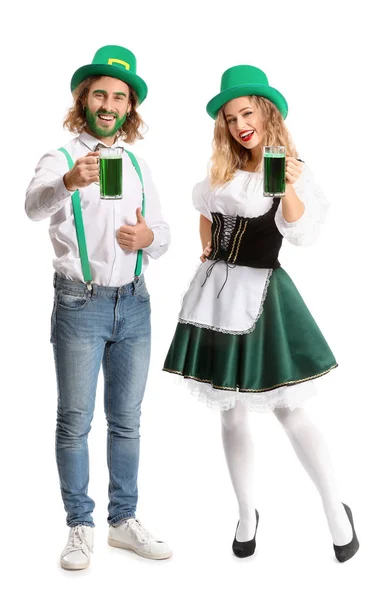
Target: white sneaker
x,y
76,554
131,535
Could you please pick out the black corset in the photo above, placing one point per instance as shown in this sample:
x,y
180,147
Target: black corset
x,y
248,242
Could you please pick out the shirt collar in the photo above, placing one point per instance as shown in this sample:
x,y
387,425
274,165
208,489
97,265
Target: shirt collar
x,y
90,141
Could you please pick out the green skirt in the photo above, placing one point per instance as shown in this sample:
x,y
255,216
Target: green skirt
x,y
285,348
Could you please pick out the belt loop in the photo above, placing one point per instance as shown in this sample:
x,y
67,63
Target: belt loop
x,y
134,282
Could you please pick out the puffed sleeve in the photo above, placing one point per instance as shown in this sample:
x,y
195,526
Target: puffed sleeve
x,y
305,230
201,193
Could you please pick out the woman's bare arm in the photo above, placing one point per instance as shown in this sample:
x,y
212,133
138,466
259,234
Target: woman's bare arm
x,y
206,236
205,231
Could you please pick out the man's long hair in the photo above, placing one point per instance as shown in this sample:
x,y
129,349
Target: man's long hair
x,y
76,120
228,155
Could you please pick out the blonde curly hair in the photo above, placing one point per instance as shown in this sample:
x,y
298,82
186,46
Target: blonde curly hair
x,y
229,156
76,122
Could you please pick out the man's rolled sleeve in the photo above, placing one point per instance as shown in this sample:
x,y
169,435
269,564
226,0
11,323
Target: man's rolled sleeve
x,y
47,193
161,241
154,217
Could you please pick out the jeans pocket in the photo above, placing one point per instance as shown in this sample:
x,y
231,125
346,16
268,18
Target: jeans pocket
x,y
72,300
53,324
142,292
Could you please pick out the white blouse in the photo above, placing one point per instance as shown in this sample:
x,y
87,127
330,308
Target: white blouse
x,y
240,302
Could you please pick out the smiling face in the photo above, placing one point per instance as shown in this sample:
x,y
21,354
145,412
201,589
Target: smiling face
x,y
106,107
244,122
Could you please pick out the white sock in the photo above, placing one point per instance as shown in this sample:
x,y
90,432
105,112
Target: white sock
x,y
311,450
239,454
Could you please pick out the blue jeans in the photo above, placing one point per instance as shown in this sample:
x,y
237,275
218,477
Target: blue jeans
x,y
110,327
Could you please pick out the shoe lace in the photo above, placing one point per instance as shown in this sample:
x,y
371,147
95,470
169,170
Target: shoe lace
x,y
139,530
77,541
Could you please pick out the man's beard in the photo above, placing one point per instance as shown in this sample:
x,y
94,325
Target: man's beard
x,y
100,131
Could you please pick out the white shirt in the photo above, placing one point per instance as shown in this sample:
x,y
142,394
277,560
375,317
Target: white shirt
x,y
240,303
110,265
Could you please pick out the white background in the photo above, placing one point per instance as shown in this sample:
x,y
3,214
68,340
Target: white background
x,y
330,61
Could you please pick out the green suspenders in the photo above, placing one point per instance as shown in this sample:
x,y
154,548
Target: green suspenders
x,y
79,225
139,261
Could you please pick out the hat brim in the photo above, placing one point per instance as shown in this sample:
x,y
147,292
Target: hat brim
x,y
138,84
250,89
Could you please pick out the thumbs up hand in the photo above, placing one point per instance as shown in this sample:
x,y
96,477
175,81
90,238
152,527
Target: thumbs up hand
x,y
134,237
140,218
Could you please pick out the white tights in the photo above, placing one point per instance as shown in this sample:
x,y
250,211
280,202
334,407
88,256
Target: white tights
x,y
310,449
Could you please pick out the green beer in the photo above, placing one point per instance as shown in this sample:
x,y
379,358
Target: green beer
x,y
110,173
111,177
274,171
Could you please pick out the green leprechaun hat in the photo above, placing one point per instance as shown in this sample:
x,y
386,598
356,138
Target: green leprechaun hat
x,y
113,61
245,80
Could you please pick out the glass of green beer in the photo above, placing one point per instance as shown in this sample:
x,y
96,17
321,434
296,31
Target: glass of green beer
x,y
274,171
110,173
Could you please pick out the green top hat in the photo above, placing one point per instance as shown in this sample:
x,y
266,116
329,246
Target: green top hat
x,y
113,61
245,80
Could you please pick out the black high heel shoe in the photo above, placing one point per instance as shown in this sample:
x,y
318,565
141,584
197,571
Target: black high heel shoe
x,y
244,549
343,553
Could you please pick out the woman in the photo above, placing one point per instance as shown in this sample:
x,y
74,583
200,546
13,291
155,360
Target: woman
x,y
245,339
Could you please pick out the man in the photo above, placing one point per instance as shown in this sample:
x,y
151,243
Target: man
x,y
101,312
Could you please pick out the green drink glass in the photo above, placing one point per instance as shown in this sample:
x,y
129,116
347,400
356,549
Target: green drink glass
x,y
110,173
274,171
